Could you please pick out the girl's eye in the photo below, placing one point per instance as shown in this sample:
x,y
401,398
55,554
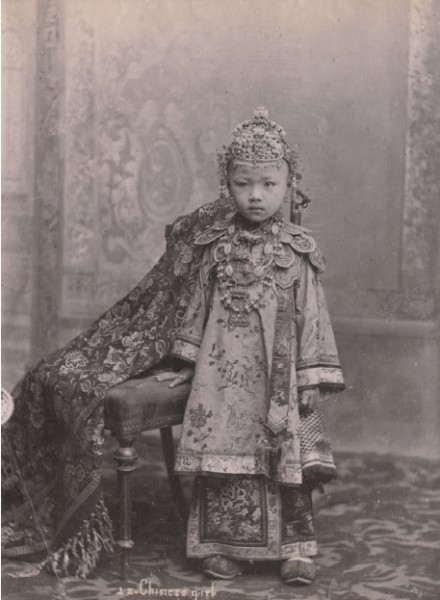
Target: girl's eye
x,y
240,183
269,184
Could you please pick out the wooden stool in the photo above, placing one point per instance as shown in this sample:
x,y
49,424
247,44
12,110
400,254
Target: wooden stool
x,y
137,405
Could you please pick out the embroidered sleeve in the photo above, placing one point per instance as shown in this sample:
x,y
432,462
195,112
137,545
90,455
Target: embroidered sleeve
x,y
189,337
318,363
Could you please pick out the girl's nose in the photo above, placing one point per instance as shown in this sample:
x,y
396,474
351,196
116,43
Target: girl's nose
x,y
255,194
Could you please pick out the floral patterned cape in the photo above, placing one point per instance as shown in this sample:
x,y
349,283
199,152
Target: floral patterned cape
x,y
52,455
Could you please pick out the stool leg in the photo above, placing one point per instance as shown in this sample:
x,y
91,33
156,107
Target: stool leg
x,y
166,434
125,457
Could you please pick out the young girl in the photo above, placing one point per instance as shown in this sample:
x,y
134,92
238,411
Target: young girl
x,y
259,347
237,294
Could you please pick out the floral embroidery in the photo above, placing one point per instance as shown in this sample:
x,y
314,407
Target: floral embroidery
x,y
93,436
199,417
247,518
242,374
234,511
132,341
184,257
73,360
235,416
74,475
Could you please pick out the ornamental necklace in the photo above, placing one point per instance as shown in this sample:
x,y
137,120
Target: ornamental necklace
x,y
245,260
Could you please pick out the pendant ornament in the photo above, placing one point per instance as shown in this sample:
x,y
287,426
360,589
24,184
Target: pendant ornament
x,y
246,259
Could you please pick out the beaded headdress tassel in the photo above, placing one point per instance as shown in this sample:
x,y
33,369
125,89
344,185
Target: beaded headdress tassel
x,y
260,141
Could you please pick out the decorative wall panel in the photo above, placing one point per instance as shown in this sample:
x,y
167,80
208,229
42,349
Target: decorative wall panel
x,y
153,88
80,216
14,126
18,36
421,215
49,173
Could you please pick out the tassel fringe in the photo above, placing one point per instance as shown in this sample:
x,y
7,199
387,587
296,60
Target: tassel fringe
x,y
80,554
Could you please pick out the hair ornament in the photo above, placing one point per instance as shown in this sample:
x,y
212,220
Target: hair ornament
x,y
260,141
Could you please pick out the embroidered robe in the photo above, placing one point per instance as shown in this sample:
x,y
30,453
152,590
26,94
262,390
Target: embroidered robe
x,y
225,428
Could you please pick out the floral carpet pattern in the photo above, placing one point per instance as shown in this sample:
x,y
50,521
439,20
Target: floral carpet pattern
x,y
378,531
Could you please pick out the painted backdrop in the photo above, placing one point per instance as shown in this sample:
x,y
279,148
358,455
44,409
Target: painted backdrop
x,y
113,112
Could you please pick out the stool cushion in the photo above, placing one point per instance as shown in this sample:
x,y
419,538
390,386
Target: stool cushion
x,y
142,403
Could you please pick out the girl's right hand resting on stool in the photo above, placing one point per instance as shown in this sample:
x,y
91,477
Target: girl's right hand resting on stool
x,y
175,379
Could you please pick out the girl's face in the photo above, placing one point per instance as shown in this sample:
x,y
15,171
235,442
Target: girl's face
x,y
258,191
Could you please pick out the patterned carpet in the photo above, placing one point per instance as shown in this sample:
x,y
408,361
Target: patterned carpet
x,y
378,532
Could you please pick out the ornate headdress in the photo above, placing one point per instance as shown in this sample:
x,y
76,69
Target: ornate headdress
x,y
260,141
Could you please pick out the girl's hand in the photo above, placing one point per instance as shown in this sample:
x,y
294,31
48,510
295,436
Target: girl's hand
x,y
308,400
184,375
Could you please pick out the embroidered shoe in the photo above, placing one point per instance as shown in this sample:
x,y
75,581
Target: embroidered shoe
x,y
298,571
221,567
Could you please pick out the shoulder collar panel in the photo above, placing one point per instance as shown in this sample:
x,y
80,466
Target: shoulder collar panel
x,y
302,243
299,240
294,229
317,260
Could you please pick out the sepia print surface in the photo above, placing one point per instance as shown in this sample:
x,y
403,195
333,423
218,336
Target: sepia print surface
x,y
113,111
